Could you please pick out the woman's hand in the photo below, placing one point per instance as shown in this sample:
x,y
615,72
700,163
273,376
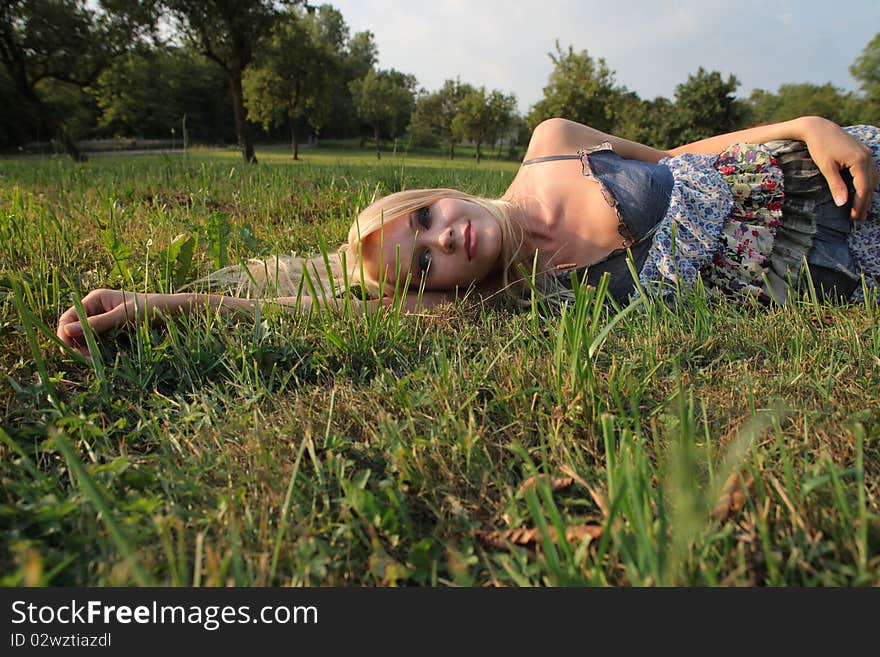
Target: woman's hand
x,y
110,309
833,149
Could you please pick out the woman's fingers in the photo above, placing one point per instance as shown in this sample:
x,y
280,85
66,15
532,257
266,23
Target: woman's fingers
x,y
833,149
831,171
67,317
104,309
864,174
100,324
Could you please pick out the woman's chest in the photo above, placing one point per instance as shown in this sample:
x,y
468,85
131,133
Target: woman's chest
x,y
578,223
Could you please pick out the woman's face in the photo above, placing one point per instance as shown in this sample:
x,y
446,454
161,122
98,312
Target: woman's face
x,y
449,243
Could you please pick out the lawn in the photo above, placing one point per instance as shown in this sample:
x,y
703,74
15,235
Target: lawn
x,y
703,443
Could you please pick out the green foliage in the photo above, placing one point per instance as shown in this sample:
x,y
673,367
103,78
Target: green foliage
x,y
434,113
794,100
482,117
359,55
705,106
228,33
293,78
384,100
866,70
119,252
645,121
18,125
147,92
64,41
580,88
175,261
218,231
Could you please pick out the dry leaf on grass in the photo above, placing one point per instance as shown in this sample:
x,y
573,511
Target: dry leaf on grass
x,y
530,537
555,483
597,496
734,494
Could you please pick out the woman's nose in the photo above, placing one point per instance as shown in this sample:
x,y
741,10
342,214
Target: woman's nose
x,y
447,241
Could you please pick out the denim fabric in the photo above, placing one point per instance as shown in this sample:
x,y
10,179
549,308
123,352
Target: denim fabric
x,y
813,226
641,188
833,224
642,191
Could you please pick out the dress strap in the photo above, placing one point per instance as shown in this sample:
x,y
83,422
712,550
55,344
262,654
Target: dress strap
x,y
604,146
548,158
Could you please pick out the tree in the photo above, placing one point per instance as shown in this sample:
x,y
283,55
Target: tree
x,y
866,70
228,32
481,118
384,100
644,121
705,106
68,41
358,56
580,88
149,91
292,79
793,100
425,126
434,113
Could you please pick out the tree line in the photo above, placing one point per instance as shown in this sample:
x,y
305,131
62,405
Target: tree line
x,y
218,71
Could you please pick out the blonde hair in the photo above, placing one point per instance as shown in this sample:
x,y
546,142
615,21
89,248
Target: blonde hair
x,y
329,275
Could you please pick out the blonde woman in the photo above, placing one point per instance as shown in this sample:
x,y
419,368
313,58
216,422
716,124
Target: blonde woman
x,y
741,211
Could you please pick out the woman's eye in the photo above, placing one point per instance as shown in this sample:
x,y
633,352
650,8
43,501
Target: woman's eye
x,y
424,261
425,217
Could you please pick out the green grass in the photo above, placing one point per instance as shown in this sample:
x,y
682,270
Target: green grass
x,y
393,449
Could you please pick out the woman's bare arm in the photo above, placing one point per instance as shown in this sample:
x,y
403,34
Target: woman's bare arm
x,y
112,309
561,136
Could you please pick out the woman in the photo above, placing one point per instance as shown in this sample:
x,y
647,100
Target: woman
x,y
713,208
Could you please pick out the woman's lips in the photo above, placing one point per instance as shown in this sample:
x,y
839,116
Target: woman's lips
x,y
471,241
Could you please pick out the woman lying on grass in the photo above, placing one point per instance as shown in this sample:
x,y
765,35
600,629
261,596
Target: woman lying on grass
x,y
740,210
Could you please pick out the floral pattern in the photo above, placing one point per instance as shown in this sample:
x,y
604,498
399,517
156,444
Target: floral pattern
x,y
724,211
688,236
864,240
722,219
755,179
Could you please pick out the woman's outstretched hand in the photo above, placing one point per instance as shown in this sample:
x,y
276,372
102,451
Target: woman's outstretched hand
x,y
110,309
105,309
833,149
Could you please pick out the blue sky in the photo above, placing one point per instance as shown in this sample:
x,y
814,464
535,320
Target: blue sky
x,y
652,46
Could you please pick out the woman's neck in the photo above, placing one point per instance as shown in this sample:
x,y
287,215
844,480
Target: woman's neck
x,y
538,223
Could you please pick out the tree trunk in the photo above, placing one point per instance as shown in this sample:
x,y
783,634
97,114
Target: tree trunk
x,y
376,135
241,133
451,150
293,142
53,126
69,144
479,155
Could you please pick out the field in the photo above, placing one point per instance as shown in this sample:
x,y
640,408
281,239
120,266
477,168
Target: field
x,y
701,443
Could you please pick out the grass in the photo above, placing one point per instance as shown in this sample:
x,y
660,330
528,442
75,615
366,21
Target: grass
x,y
705,443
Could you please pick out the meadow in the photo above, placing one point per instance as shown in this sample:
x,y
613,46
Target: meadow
x,y
706,442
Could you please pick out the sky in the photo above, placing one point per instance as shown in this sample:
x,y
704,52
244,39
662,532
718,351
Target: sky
x,y
650,45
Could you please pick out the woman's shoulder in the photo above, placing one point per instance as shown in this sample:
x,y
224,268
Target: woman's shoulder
x,y
549,138
555,137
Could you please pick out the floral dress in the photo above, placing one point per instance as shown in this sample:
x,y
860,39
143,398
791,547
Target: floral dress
x,y
722,220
